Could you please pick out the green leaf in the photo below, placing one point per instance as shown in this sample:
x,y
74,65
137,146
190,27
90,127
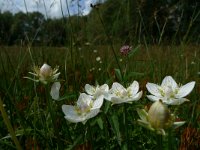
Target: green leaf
x,y
118,74
100,123
115,126
76,142
19,132
142,114
107,106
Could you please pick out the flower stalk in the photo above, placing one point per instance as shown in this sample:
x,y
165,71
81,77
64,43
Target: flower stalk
x,y
51,112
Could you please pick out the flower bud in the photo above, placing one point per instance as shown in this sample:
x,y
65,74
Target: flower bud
x,y
159,115
45,71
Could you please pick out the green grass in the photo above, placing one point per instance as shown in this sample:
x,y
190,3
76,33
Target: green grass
x,y
26,102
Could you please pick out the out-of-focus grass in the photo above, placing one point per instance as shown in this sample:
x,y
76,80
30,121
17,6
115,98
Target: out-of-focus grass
x,y
149,64
173,59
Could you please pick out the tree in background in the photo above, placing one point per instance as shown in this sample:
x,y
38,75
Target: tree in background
x,y
6,21
125,21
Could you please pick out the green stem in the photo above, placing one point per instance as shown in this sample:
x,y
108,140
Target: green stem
x,y
159,142
48,109
52,115
34,122
125,145
9,126
170,138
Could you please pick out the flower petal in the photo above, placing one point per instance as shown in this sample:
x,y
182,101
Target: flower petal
x,y
71,115
153,98
137,96
174,101
55,90
102,90
98,102
185,90
90,89
116,87
134,98
107,96
169,81
92,114
153,89
104,87
116,100
84,100
134,87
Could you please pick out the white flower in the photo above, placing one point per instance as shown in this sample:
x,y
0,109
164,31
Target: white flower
x,y
158,118
55,90
169,91
85,109
118,94
87,43
97,91
45,74
94,51
98,58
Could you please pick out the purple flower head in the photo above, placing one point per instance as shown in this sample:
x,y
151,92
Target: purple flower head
x,y
124,50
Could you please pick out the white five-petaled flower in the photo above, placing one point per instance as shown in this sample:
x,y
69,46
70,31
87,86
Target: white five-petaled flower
x,y
85,108
169,91
97,91
45,74
118,94
158,118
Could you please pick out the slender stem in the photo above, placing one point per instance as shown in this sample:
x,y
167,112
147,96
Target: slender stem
x,y
9,126
125,125
49,109
159,142
170,138
90,135
111,43
52,115
25,6
106,131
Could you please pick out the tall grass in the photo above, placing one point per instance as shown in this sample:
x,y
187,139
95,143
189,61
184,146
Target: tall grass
x,y
38,121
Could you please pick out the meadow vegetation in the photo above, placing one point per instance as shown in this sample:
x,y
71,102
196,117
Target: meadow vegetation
x,y
88,52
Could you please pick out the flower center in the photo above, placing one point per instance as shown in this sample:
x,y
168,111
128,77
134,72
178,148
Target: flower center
x,y
168,91
129,94
84,106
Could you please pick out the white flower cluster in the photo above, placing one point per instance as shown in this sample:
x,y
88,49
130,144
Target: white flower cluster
x,y
159,116
89,103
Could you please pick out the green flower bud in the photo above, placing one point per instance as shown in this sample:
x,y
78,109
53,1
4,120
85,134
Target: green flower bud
x,y
159,115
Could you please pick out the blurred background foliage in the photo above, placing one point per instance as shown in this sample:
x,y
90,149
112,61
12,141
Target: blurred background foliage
x,y
126,21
